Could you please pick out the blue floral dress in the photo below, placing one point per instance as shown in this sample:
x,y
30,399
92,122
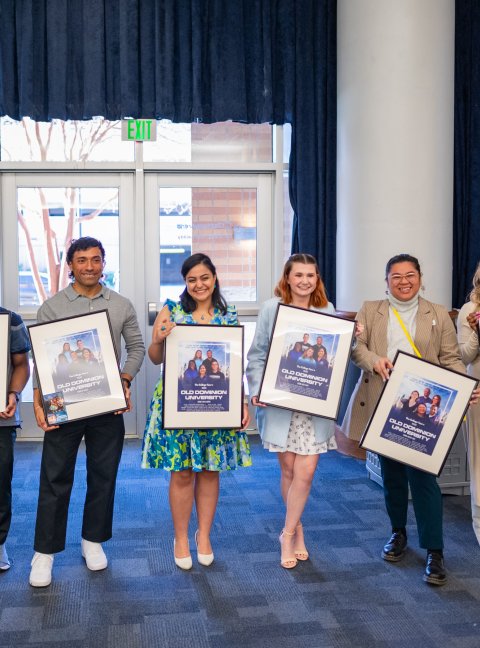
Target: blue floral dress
x,y
197,450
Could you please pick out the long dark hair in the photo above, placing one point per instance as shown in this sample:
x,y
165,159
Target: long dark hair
x,y
187,301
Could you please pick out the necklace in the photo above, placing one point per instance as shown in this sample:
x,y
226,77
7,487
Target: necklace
x,y
204,316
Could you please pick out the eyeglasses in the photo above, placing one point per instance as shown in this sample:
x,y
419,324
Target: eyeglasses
x,y
411,277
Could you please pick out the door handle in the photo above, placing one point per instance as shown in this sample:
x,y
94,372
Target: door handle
x,y
152,312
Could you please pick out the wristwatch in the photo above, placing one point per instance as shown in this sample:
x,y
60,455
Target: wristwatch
x,y
17,395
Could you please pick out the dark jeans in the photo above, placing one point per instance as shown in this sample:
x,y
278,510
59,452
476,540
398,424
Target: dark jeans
x,y
104,443
7,440
426,498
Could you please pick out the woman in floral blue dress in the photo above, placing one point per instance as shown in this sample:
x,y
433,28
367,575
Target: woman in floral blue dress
x,y
194,458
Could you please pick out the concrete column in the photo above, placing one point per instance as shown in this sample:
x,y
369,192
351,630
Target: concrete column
x,y
395,144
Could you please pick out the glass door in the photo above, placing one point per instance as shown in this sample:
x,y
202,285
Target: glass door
x,y
41,214
228,217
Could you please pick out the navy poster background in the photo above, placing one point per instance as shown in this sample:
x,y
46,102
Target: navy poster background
x,y
203,377
307,362
418,414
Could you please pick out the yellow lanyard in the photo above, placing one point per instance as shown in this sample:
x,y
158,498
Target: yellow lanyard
x,y
407,334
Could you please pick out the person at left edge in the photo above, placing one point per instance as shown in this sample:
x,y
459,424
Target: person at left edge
x,y
103,434
18,373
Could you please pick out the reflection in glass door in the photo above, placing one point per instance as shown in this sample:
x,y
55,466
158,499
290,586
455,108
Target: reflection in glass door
x,y
215,214
220,220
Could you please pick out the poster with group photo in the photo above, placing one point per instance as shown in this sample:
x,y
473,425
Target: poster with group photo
x,y
203,372
4,358
418,414
77,367
307,361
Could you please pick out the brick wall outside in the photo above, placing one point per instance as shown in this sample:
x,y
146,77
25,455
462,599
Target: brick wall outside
x,y
221,218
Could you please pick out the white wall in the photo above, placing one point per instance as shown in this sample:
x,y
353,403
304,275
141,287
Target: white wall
x,y
395,143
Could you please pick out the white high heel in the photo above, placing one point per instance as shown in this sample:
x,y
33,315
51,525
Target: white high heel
x,y
184,563
204,559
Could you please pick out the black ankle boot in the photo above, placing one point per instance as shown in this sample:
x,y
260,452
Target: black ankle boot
x,y
394,550
435,573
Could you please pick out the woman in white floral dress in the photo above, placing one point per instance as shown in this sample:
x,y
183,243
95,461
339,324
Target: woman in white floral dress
x,y
298,438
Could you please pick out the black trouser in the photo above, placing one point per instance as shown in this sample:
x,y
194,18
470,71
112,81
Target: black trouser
x,y
426,498
7,440
104,443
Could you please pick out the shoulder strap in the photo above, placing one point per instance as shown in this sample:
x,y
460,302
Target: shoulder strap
x,y
407,334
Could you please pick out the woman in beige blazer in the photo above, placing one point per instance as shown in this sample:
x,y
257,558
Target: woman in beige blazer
x,y
433,334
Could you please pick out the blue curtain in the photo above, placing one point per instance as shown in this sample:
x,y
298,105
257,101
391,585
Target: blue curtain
x,y
253,61
312,178
466,210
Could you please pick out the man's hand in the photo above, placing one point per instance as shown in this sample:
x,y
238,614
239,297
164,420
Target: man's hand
x,y
11,408
40,415
127,392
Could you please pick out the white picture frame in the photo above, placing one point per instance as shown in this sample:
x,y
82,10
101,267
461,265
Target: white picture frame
x,y
203,401
74,387
312,385
403,426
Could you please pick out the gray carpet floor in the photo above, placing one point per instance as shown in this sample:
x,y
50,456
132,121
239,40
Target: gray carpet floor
x,y
344,596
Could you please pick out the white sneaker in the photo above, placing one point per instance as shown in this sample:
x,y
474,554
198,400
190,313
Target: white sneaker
x,y
94,555
4,561
41,572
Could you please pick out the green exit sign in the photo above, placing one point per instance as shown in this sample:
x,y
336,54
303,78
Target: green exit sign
x,y
139,130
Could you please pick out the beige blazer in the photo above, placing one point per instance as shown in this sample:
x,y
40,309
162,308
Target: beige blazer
x,y
435,338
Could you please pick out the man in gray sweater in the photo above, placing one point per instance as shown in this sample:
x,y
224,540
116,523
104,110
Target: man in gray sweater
x,y
103,434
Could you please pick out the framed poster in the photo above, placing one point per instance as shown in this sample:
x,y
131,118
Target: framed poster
x,y
203,377
418,413
77,367
4,358
307,361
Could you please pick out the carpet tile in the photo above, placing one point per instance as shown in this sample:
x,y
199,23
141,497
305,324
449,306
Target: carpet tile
x,y
345,596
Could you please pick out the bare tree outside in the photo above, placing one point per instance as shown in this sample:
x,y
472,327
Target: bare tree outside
x,y
46,242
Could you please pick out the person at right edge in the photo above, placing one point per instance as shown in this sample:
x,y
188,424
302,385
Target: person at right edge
x,y
407,322
469,343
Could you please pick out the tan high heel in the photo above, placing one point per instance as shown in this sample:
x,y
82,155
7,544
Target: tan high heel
x,y
301,555
288,563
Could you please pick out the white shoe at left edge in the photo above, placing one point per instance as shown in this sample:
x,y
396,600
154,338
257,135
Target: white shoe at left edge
x,y
4,561
94,555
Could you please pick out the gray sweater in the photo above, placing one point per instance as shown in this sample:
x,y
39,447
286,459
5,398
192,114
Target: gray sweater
x,y
68,303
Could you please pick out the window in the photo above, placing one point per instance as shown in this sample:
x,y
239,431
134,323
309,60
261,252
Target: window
x,y
215,220
201,143
96,140
48,218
